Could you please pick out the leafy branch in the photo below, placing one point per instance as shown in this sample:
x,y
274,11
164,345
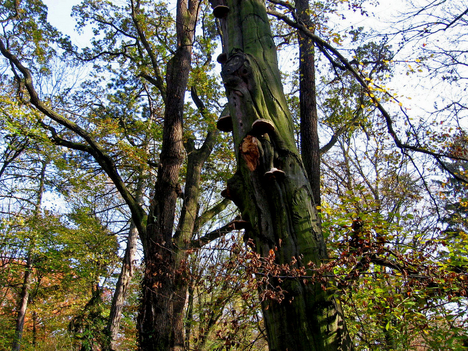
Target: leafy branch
x,y
91,146
340,61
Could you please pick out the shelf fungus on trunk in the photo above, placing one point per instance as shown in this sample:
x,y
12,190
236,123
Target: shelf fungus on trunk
x,y
262,126
220,9
226,194
275,173
224,123
222,58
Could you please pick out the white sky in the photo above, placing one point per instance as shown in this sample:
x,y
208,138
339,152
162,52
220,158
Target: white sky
x,y
59,16
380,16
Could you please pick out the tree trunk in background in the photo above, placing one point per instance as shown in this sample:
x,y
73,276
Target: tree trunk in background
x,y
34,339
188,217
271,187
121,288
24,296
310,147
156,316
160,325
126,274
23,305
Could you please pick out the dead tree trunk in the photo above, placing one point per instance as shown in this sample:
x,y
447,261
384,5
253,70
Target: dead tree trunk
x,y
271,187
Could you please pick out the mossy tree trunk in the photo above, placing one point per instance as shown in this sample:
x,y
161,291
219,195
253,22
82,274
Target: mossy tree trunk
x,y
271,187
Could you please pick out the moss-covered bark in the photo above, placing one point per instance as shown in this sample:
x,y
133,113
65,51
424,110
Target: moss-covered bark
x,y
271,187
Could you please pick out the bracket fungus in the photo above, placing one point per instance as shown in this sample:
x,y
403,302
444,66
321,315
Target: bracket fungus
x,y
224,123
222,58
275,173
226,194
220,10
262,126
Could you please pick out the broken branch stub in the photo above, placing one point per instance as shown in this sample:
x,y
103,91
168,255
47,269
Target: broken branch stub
x,y
233,63
250,152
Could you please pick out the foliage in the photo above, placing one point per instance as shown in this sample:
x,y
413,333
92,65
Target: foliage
x,y
395,227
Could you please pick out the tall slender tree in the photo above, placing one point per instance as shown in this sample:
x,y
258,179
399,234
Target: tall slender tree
x,y
26,286
310,145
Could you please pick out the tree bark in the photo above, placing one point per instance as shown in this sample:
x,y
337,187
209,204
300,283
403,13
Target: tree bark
x,y
271,187
23,305
310,146
121,288
160,323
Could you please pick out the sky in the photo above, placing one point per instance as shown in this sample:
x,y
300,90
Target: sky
x,y
60,10
379,16
59,15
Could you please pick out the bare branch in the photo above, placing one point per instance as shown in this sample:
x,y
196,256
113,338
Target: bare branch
x,y
324,46
456,19
158,80
210,213
236,224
